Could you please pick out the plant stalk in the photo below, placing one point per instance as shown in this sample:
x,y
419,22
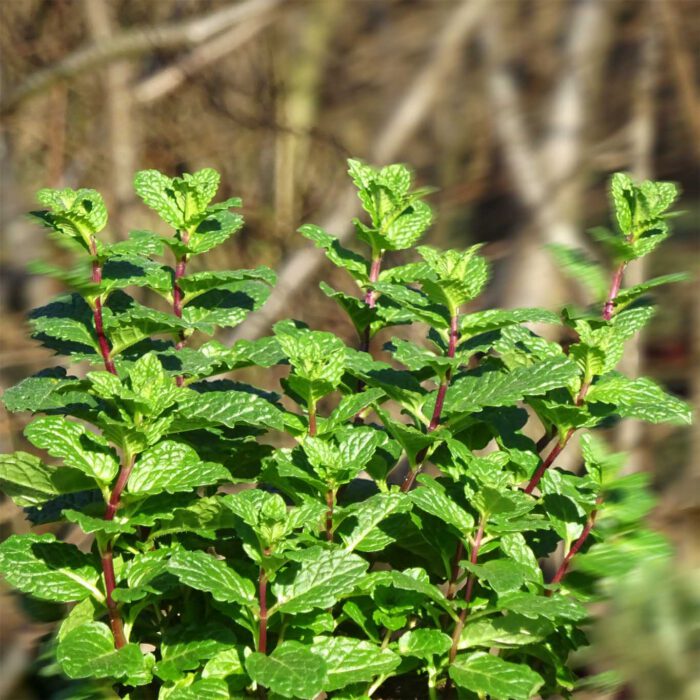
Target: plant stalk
x,y
370,297
180,270
262,595
575,547
439,403
548,461
96,278
330,504
468,590
609,305
115,620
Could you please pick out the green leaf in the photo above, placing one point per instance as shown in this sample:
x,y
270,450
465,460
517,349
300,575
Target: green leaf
x,y
215,228
355,264
317,358
494,319
227,664
457,276
75,214
152,385
485,674
432,498
67,320
319,579
359,526
47,569
627,296
225,306
424,643
502,575
415,580
229,408
511,630
88,652
184,647
360,313
579,266
205,689
45,392
179,201
617,556
75,445
138,243
90,524
172,466
474,391
291,671
412,440
197,283
555,608
30,482
204,572
348,408
351,660
640,398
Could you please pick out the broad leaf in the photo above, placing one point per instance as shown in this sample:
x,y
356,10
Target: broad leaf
x,y
318,580
485,674
47,569
291,671
639,398
172,466
30,482
88,652
204,572
351,660
75,445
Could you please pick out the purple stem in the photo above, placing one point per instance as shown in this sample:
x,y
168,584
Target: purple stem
x,y
262,594
115,620
468,590
330,503
96,278
439,403
561,571
614,291
370,299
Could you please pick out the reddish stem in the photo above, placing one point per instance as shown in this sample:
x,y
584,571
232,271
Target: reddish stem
x,y
548,461
561,571
370,299
614,291
262,594
439,403
116,495
115,620
96,278
312,422
180,270
468,590
330,503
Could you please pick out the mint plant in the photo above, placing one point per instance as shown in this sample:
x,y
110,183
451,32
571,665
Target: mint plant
x,y
252,543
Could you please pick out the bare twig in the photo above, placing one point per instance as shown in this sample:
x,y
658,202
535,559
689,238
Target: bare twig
x,y
160,84
191,32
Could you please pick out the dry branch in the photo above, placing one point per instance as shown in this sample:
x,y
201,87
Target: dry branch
x,y
131,43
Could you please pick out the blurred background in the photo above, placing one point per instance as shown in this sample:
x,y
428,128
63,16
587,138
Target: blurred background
x,y
517,111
